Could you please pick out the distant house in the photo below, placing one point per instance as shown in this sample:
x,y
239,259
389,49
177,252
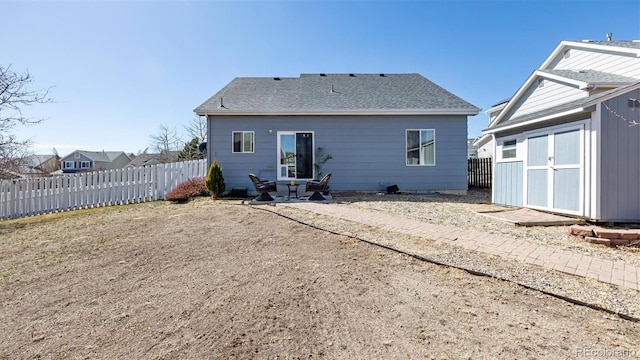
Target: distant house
x,y
142,160
145,159
380,129
472,150
81,160
40,165
485,143
568,141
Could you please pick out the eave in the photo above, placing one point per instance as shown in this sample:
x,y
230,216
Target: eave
x,y
228,112
535,121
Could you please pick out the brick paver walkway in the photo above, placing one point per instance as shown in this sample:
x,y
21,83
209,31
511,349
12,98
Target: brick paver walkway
x,y
613,272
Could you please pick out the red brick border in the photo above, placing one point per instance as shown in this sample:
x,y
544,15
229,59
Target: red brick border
x,y
609,237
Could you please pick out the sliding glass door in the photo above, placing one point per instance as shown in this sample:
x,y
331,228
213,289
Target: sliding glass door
x,y
295,155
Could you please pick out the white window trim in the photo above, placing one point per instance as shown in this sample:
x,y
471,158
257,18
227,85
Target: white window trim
x,y
66,164
519,149
83,163
434,147
253,135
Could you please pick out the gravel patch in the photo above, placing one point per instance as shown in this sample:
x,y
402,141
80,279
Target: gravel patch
x,y
463,211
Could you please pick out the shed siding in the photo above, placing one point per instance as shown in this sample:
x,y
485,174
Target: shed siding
x,y
620,176
551,94
614,63
368,151
508,183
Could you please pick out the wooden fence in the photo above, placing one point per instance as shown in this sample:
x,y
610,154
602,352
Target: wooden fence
x,y
35,196
479,172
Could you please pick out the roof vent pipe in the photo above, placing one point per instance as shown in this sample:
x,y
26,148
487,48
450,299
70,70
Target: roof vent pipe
x,y
609,36
332,89
221,106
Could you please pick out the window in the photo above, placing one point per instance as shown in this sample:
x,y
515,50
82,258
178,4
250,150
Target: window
x,y
509,149
69,164
85,164
243,141
421,147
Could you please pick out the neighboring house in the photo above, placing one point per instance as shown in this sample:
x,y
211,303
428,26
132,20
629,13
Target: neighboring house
x,y
568,141
142,160
81,160
40,165
472,149
8,177
380,129
485,142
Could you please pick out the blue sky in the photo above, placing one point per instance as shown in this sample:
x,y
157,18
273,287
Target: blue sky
x,y
120,69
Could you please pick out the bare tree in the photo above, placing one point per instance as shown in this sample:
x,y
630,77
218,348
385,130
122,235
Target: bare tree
x,y
197,128
14,96
166,142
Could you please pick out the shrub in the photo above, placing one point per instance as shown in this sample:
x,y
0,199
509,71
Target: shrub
x,y
215,180
187,190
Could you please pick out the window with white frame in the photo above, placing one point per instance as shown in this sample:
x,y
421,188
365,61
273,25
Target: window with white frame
x,y
509,149
69,164
85,164
243,141
421,147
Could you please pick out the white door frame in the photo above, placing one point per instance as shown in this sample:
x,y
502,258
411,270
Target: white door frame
x,y
550,133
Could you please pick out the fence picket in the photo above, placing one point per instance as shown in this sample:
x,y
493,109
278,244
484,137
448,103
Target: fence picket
x,y
479,172
24,197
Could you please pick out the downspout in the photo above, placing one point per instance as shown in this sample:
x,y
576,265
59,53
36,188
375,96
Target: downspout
x,y
206,117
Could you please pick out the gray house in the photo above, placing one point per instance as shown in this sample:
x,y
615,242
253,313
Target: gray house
x,y
81,160
380,129
568,141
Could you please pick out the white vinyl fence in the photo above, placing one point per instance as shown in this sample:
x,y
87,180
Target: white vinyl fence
x,y
35,196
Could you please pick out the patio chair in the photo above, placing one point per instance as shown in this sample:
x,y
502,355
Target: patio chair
x,y
318,186
263,187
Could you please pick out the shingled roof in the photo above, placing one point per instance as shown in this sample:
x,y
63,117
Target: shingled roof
x,y
591,76
335,94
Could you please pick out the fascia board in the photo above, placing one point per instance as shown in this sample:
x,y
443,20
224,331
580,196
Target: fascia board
x,y
555,53
534,121
516,97
469,112
614,94
485,138
618,49
578,83
604,84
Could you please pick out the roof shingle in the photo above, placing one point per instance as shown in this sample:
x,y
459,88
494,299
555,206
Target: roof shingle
x,y
333,93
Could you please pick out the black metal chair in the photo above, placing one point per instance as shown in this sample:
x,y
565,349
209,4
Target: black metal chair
x,y
318,186
263,187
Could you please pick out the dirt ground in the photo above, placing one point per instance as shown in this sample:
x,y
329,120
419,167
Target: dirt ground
x,y
215,279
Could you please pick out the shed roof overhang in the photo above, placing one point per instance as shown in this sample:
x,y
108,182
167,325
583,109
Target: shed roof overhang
x,y
538,120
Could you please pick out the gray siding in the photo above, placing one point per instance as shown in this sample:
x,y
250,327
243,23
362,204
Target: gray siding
x,y
620,157
368,151
552,93
607,61
508,183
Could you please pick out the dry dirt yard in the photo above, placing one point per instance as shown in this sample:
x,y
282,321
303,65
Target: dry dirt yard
x,y
216,279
